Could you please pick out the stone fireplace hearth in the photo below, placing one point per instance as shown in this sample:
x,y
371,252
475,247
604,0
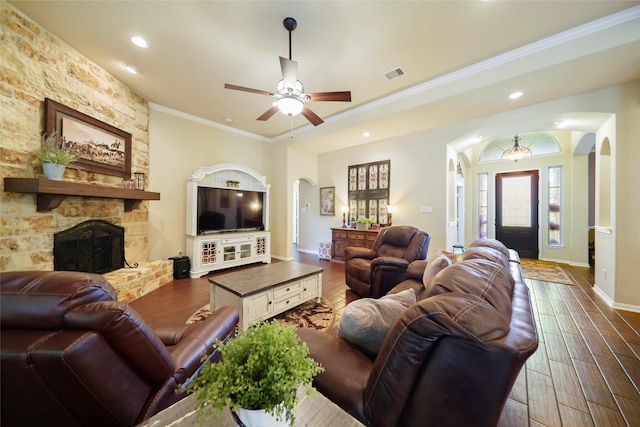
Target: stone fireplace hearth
x,y
97,246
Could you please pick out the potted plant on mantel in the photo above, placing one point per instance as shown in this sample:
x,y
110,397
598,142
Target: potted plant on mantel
x,y
258,376
54,155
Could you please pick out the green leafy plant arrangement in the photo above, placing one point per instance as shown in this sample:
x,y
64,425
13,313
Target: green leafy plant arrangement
x,y
363,220
53,150
261,368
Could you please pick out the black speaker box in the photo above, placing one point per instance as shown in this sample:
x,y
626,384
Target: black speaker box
x,y
181,266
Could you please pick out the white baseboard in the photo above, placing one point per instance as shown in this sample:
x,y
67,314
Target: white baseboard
x,y
616,305
626,307
308,251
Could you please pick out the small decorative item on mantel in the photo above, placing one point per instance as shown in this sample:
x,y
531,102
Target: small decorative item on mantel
x,y
233,184
140,179
54,155
258,376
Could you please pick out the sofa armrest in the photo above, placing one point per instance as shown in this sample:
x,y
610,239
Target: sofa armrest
x,y
201,338
415,270
346,371
387,272
358,252
389,263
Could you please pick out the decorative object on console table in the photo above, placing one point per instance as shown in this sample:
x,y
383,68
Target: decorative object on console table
x,y
100,147
266,351
390,210
327,201
345,210
363,223
54,155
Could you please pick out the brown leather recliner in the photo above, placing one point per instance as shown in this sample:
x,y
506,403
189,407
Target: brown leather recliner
x,y
72,355
373,272
451,359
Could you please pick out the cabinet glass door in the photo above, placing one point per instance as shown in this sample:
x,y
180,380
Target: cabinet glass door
x,y
245,250
229,253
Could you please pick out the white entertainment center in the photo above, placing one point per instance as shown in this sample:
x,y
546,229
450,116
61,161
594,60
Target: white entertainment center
x,y
218,250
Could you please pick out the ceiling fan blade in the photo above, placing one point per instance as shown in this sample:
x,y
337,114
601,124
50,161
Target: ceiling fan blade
x,y
311,116
331,96
268,114
247,89
289,72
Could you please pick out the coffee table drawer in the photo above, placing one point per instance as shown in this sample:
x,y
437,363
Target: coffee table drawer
x,y
287,303
286,290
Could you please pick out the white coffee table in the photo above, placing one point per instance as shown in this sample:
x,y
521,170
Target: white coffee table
x,y
266,290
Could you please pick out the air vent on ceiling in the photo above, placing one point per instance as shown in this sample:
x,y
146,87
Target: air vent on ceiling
x,y
394,74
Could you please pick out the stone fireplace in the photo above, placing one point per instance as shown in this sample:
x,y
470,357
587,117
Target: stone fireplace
x,y
97,246
93,246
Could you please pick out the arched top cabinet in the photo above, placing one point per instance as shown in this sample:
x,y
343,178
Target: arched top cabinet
x,y
216,250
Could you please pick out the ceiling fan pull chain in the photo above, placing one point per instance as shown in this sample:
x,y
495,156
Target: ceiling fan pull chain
x,y
291,131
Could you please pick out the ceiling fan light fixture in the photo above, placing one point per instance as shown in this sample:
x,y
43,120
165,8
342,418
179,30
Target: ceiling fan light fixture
x,y
516,152
290,106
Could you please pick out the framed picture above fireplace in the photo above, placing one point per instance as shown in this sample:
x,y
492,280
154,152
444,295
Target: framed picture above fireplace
x,y
100,147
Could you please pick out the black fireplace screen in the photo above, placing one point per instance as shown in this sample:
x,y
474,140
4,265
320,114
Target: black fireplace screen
x,y
93,246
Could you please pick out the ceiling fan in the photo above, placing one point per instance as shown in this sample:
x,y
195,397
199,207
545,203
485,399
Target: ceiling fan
x,y
290,96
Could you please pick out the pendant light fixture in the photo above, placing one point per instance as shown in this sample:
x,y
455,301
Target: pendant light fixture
x,y
516,152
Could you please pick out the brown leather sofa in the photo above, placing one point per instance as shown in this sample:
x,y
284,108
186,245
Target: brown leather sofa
x,y
451,358
71,355
373,272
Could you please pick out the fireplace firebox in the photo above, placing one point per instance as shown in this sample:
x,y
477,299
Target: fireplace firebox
x,y
93,246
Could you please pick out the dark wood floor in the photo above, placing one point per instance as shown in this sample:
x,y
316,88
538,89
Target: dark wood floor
x,y
586,371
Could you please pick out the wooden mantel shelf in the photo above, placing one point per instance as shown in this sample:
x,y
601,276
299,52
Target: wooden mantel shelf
x,y
51,193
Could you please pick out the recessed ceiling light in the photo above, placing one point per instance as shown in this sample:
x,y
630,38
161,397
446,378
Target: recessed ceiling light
x,y
140,42
130,68
228,120
560,125
365,134
515,95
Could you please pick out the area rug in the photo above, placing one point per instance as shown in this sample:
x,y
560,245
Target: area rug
x,y
311,315
544,271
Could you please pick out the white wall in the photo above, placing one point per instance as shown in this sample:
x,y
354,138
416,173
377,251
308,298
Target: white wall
x,y
178,145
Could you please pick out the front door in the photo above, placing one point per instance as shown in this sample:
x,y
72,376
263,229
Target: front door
x,y
517,211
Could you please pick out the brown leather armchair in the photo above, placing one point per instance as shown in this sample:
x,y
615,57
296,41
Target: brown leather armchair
x,y
451,359
373,272
72,355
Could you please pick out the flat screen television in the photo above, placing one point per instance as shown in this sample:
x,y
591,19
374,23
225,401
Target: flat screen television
x,y
225,209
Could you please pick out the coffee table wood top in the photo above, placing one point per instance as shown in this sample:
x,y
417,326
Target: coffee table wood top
x,y
256,279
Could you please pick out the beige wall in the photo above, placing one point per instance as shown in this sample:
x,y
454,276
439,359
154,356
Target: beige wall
x,y
179,146
574,197
627,198
37,65
416,163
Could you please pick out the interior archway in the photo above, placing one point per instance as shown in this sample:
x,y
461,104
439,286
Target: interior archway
x,y
603,185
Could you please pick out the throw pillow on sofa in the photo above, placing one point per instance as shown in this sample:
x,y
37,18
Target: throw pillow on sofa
x,y
434,266
365,322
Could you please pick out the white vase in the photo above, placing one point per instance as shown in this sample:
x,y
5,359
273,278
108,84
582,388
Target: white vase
x,y
53,171
260,418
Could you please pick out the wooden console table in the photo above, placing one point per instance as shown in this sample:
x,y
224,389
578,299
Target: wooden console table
x,y
50,193
344,237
